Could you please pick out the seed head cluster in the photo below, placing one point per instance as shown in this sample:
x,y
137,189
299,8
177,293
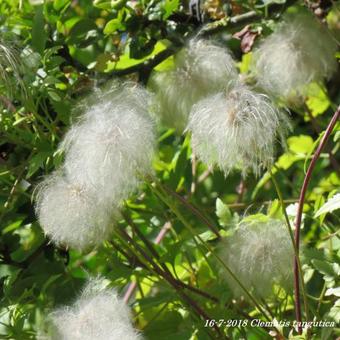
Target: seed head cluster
x,y
236,128
300,51
106,152
96,314
111,144
260,254
232,126
202,68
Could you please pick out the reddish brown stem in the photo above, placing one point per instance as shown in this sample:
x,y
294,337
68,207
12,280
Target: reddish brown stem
x,y
193,209
132,285
173,282
298,220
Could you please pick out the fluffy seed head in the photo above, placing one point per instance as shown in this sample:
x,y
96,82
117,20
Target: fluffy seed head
x,y
96,314
72,215
260,254
201,68
300,51
113,144
236,128
10,65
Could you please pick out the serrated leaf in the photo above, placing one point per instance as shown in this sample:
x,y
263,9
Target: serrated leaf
x,y
169,7
331,205
39,35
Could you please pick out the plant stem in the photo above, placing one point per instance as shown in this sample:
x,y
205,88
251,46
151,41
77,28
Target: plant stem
x,y
193,209
298,220
290,230
169,278
318,129
188,226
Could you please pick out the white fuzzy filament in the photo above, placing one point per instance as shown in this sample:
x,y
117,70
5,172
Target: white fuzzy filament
x,y
113,144
202,68
72,215
260,254
300,51
106,154
96,314
236,128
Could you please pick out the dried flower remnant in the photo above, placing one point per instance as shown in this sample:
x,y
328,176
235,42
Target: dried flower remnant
x,y
260,254
71,215
113,144
300,51
236,128
99,313
201,69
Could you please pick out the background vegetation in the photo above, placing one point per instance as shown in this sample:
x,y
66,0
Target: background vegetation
x,y
61,49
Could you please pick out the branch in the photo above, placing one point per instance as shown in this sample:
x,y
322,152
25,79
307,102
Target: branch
x,y
171,280
303,191
147,65
193,209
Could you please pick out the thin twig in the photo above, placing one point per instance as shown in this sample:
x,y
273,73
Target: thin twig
x,y
317,129
132,285
193,209
161,194
200,312
298,221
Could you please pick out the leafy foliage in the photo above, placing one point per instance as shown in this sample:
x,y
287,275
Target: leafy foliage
x,y
59,51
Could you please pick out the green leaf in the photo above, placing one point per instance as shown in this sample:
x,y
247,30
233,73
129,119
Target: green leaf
x,y
80,30
54,95
223,213
105,4
333,291
84,55
126,61
317,101
274,210
244,65
334,312
59,4
113,25
326,268
13,226
179,164
169,7
331,205
301,144
37,161
39,35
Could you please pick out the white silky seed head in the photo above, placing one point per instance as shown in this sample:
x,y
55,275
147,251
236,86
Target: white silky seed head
x,y
113,144
260,254
300,51
201,68
96,314
236,129
71,215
